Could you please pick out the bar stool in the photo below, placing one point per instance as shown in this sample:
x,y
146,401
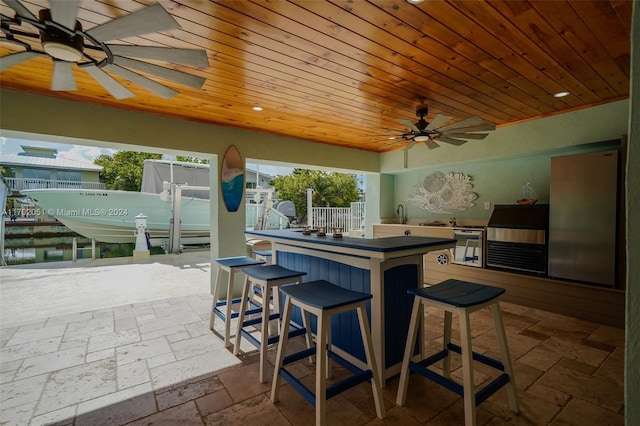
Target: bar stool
x,y
324,299
463,298
263,279
264,255
231,265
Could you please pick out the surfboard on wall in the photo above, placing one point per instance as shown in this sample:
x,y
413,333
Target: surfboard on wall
x,y
232,179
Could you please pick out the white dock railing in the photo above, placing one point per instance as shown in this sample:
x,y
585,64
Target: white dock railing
x,y
345,218
18,184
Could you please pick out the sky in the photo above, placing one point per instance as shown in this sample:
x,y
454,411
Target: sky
x,y
88,153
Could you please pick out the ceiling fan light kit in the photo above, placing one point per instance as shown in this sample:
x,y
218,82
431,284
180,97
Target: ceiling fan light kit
x,y
63,39
61,44
62,51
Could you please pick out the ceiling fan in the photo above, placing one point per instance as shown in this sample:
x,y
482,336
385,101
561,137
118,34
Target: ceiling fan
x,y
430,132
62,38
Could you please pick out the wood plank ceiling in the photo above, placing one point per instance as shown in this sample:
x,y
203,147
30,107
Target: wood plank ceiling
x,y
343,72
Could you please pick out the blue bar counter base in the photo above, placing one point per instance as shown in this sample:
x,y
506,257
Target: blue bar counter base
x,y
384,268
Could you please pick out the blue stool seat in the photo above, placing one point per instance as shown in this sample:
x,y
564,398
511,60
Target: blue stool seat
x,y
463,298
231,265
324,295
262,280
237,262
324,299
458,293
271,272
265,255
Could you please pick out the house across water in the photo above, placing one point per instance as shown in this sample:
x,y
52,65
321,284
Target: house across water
x,y
38,167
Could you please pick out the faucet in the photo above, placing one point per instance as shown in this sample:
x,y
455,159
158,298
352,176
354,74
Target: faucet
x,y
401,217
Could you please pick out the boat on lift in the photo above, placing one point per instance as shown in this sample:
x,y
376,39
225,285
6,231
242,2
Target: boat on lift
x,y
109,215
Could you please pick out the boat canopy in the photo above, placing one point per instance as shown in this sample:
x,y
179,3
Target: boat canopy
x,y
156,172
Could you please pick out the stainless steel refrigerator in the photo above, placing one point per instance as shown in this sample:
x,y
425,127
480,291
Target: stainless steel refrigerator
x,y
582,217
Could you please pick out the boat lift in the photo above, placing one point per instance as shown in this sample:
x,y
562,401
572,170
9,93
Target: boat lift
x,y
175,222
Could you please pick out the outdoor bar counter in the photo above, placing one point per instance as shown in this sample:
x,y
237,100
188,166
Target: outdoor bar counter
x,y
383,267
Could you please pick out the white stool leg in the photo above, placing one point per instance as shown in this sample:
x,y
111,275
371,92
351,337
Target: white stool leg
x,y
326,348
216,290
408,351
505,357
275,292
467,368
446,340
264,331
321,370
365,331
306,323
241,313
227,323
282,344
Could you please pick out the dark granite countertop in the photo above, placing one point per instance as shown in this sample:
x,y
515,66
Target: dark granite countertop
x,y
388,244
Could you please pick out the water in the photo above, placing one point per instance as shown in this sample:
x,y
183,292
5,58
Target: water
x,y
56,249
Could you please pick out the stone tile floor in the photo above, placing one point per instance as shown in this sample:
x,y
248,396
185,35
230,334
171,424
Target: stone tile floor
x,y
157,363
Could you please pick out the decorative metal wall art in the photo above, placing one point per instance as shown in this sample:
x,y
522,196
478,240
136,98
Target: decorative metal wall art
x,y
443,193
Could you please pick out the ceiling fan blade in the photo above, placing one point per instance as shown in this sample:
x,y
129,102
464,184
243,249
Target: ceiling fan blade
x,y
63,79
166,73
409,125
452,141
193,57
116,89
467,135
16,58
153,86
143,21
438,120
463,123
431,144
65,12
20,9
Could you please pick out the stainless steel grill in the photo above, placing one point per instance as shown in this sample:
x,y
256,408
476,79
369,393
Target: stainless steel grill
x,y
517,238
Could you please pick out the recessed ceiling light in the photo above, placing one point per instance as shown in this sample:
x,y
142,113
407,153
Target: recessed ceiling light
x,y
391,138
414,1
257,108
561,94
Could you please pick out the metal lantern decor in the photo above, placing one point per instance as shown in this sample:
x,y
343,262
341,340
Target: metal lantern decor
x,y
527,195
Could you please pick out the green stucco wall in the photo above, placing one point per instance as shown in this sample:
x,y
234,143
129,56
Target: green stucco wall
x,y
494,181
